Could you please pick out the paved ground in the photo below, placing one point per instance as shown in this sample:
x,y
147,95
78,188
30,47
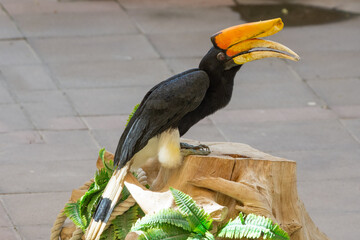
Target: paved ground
x,y
71,72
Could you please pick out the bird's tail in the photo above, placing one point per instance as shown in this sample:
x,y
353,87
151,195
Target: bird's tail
x,y
106,206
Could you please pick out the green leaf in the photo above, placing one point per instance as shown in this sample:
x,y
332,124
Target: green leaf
x,y
199,220
122,223
252,227
102,177
168,233
209,236
132,113
109,167
109,234
92,204
72,211
165,217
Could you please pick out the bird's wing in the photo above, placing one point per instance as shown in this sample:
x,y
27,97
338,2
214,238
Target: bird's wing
x,y
162,108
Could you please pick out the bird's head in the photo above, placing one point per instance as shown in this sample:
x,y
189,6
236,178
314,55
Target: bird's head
x,y
240,44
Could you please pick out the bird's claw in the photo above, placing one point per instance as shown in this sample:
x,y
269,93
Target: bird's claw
x,y
188,149
202,147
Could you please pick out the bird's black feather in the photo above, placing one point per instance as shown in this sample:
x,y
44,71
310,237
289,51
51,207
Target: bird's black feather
x,y
162,108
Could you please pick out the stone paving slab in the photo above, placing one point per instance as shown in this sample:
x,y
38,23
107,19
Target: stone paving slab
x,y
201,132
44,207
106,122
48,152
8,29
136,4
328,65
106,101
111,73
270,115
14,119
329,223
4,218
14,52
353,126
273,95
27,77
38,232
322,165
337,91
351,111
335,216
33,7
312,194
9,233
272,71
178,65
78,49
4,93
183,20
20,137
60,176
75,24
290,136
332,37
181,44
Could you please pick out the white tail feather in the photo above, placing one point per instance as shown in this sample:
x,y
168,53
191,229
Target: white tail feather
x,y
112,192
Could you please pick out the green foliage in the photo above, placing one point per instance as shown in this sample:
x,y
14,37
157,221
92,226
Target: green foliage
x,y
72,211
252,227
121,225
132,114
198,219
190,222
108,166
165,233
161,219
109,234
193,223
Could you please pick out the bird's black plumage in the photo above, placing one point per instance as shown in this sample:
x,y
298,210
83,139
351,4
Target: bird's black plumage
x,y
162,108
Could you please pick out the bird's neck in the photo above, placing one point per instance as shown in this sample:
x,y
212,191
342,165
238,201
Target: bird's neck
x,y
217,96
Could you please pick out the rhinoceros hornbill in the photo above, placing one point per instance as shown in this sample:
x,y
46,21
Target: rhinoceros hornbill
x,y
173,106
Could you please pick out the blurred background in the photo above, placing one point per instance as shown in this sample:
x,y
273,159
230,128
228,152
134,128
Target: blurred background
x,y
71,72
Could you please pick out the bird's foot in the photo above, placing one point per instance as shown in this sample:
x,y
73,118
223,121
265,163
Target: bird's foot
x,y
188,149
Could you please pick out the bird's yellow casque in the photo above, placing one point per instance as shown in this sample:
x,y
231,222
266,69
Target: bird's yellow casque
x,y
239,41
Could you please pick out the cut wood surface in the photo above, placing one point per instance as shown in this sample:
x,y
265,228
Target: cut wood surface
x,y
234,177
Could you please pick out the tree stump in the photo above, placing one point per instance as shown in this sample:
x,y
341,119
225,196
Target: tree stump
x,y
234,177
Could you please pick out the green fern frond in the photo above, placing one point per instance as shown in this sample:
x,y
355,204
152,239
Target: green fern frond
x,y
252,227
132,113
198,219
108,166
72,211
122,223
209,236
198,236
102,177
166,233
162,218
109,234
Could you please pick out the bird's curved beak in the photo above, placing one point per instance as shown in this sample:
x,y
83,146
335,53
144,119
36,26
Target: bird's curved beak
x,y
242,44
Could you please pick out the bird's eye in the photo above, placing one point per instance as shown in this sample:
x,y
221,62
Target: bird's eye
x,y
221,56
